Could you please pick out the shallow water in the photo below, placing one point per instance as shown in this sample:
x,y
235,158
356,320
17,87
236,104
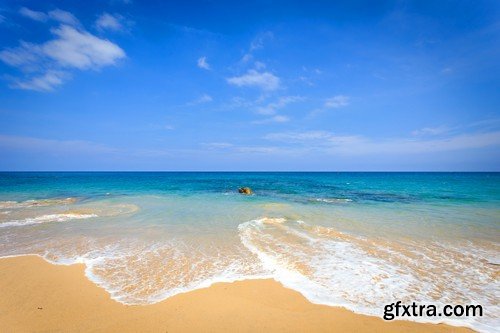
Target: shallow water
x,y
359,240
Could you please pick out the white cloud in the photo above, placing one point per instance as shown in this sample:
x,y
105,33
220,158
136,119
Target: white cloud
x,y
58,15
111,22
310,76
45,82
229,147
52,146
447,70
298,136
63,17
331,143
202,63
328,143
25,56
80,49
336,102
33,14
217,145
246,58
259,65
312,70
263,80
272,108
306,80
257,150
238,102
431,131
205,98
255,44
258,41
47,65
274,119
280,119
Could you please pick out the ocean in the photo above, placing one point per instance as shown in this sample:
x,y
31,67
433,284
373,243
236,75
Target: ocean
x,y
356,240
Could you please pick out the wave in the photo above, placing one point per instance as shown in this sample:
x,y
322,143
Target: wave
x,y
324,264
362,274
46,218
78,213
135,272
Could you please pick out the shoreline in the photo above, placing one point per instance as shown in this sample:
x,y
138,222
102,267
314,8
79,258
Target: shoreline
x,y
40,296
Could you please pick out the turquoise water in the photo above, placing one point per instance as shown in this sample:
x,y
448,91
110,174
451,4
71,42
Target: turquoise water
x,y
358,240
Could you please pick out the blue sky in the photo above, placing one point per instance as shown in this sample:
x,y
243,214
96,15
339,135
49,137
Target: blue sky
x,y
214,85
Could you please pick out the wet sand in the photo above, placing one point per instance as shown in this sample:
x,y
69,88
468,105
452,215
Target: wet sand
x,y
39,297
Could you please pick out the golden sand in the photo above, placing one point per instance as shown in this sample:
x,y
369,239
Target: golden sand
x,y
39,297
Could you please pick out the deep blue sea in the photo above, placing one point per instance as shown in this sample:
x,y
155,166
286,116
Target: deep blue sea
x,y
358,240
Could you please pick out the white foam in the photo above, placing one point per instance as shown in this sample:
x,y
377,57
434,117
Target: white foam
x,y
327,266
337,271
333,200
155,270
45,219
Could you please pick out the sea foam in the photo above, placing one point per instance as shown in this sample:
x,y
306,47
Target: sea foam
x,y
46,219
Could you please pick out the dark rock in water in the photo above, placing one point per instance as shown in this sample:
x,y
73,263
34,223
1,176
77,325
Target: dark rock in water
x,y
245,190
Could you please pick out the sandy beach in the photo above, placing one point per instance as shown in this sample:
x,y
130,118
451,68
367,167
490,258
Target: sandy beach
x,y
41,297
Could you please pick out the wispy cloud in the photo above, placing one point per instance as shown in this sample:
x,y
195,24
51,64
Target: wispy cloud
x,y
47,65
217,145
431,131
229,147
205,98
447,70
246,58
113,22
310,75
272,108
53,146
258,150
238,102
263,80
63,17
336,102
332,143
259,65
44,82
202,63
298,136
274,119
33,14
57,14
269,109
258,42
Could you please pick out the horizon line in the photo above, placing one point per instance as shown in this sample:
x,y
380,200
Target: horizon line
x,y
259,171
